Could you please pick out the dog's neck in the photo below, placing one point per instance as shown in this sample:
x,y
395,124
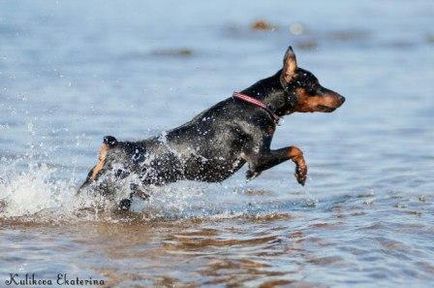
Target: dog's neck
x,y
271,92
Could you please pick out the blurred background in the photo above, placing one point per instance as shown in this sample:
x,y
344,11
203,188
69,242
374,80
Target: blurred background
x,y
72,72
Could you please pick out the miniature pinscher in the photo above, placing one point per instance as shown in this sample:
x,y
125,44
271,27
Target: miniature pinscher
x,y
220,140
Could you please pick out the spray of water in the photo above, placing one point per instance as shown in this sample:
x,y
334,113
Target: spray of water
x,y
32,191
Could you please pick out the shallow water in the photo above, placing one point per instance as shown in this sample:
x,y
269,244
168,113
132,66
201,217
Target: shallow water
x,y
72,72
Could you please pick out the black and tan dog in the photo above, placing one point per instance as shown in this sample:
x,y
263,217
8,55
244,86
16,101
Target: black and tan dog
x,y
220,140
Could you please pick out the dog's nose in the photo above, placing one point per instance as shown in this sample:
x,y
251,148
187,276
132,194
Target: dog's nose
x,y
339,98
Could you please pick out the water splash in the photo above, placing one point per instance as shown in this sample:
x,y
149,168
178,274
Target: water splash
x,y
33,192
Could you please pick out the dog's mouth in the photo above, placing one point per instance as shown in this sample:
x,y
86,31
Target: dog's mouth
x,y
335,104
326,109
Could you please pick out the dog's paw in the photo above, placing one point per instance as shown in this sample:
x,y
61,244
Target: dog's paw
x,y
124,205
251,174
301,174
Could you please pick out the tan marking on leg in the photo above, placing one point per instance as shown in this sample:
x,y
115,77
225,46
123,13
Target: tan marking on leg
x,y
296,155
101,161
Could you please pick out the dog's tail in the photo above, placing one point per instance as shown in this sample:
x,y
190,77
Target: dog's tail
x,y
109,142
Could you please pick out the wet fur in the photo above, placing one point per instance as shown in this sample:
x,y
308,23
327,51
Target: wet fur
x,y
220,140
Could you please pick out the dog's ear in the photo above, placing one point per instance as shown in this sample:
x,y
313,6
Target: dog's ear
x,y
289,66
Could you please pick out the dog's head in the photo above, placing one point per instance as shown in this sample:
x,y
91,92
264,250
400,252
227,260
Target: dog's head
x,y
301,84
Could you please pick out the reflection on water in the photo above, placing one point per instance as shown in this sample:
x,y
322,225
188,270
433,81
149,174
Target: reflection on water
x,y
252,249
72,72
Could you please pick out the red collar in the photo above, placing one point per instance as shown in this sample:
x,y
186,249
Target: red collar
x,y
257,103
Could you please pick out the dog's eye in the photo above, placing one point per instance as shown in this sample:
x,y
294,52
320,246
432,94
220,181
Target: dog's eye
x,y
311,90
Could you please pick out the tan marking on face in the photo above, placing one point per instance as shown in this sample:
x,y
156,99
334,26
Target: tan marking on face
x,y
101,161
308,103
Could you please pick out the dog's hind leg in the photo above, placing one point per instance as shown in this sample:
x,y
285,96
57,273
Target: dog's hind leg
x,y
108,143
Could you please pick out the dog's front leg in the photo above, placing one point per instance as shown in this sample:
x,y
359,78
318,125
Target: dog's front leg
x,y
264,160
